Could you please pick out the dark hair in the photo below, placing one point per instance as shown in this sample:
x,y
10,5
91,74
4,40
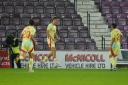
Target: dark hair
x,y
9,40
114,25
55,17
31,22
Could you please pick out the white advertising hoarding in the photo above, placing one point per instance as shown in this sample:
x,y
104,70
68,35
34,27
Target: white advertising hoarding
x,y
73,60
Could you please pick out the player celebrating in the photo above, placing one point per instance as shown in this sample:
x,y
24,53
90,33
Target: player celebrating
x,y
52,37
115,46
28,43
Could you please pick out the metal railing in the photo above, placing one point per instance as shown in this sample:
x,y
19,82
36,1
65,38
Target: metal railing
x,y
75,2
103,42
88,21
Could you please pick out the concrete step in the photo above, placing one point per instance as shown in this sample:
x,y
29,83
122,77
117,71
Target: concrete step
x,y
106,48
100,26
85,2
87,10
94,14
93,18
92,22
100,38
100,34
100,44
86,6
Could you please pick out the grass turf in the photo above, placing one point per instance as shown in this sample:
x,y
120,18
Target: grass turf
x,y
63,77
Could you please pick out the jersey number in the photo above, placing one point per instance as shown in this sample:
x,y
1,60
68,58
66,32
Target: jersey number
x,y
26,34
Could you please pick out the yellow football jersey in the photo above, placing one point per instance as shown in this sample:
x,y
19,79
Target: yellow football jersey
x,y
116,35
28,32
52,30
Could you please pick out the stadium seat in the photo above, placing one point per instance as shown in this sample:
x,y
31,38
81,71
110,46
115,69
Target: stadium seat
x,y
45,45
67,22
122,21
68,40
15,15
9,9
8,3
63,31
124,4
32,0
125,10
29,3
12,31
60,4
1,9
19,9
106,11
11,27
115,4
39,4
77,21
70,10
120,15
28,9
60,9
2,27
50,10
125,28
90,46
42,0
1,3
73,32
49,3
42,34
80,46
45,21
20,27
35,15
111,20
14,21
39,47
39,9
19,3
25,20
116,10
69,46
2,33
60,45
5,20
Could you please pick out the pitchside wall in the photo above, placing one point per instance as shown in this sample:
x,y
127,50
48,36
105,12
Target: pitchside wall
x,y
68,60
73,60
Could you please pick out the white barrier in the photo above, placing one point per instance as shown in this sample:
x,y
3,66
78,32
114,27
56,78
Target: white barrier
x,y
74,60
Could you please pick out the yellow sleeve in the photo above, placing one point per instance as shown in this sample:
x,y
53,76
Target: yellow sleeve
x,y
112,35
33,31
120,33
22,33
49,27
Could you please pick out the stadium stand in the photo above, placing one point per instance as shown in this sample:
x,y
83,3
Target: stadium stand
x,y
116,11
14,15
98,26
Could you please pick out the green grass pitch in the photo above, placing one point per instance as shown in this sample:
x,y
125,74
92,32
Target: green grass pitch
x,y
63,77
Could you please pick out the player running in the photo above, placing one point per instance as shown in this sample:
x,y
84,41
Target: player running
x,y
28,43
115,46
52,37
